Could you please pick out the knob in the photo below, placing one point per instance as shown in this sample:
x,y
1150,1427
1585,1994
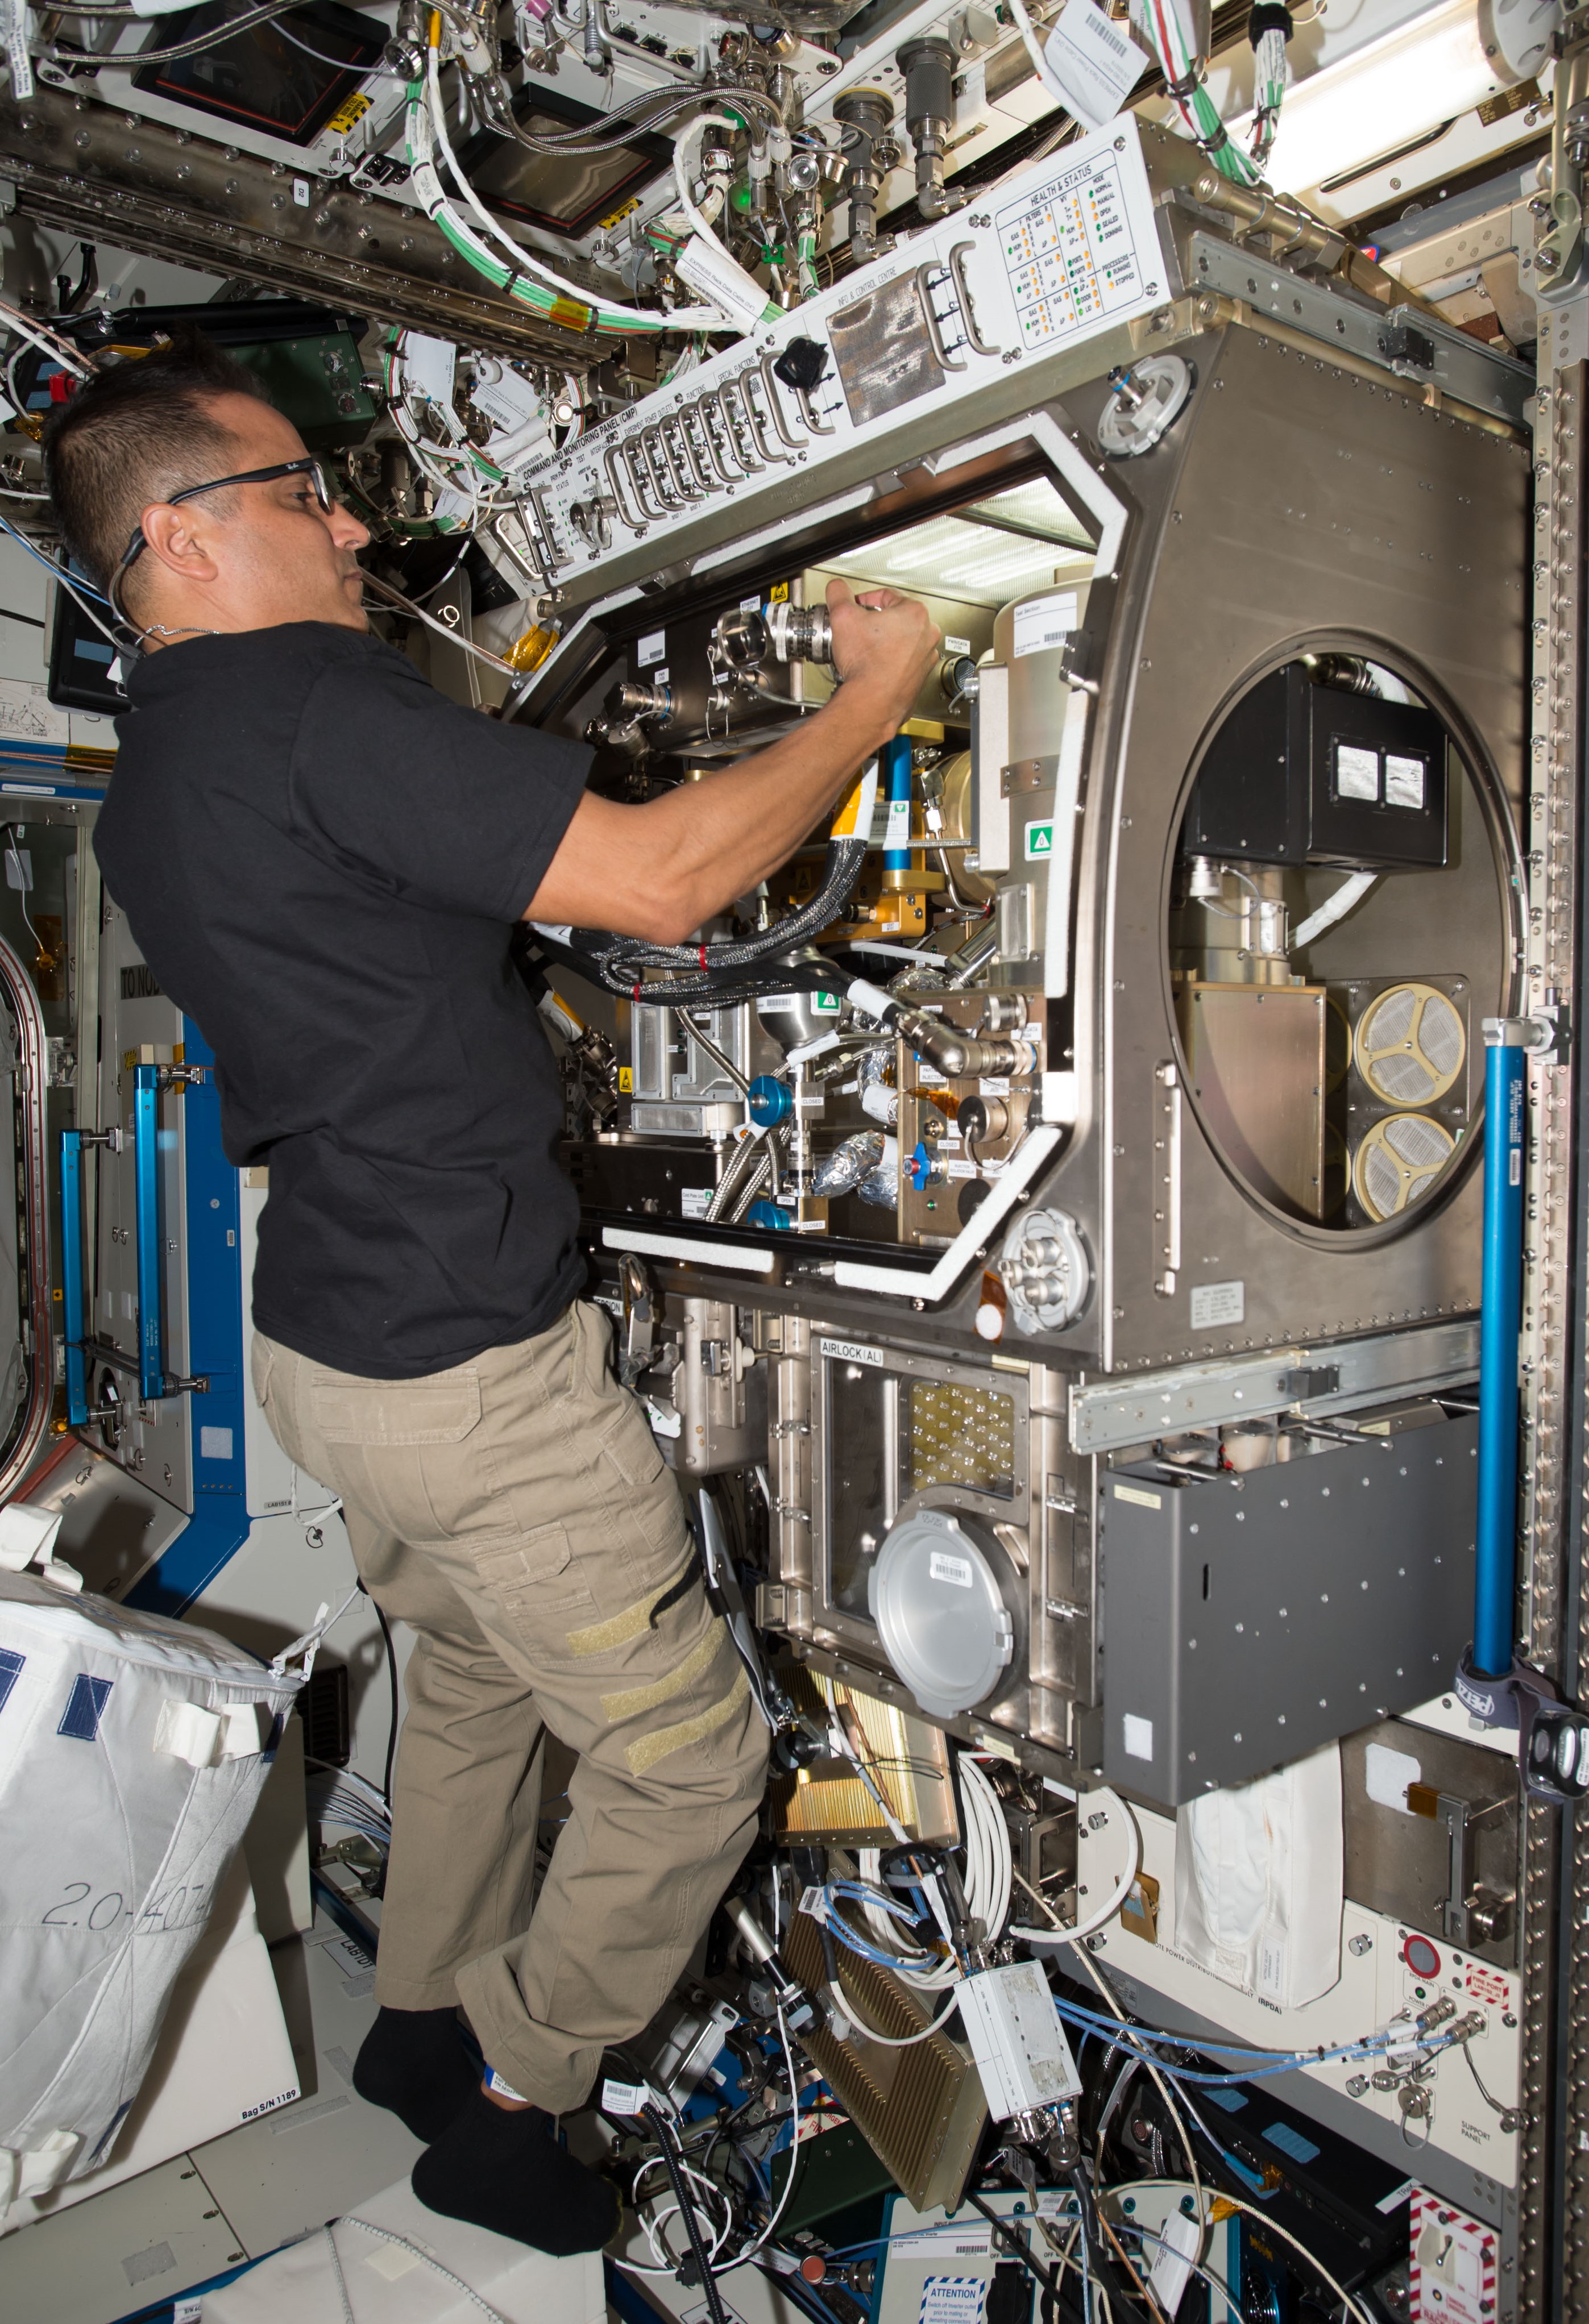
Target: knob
x,y
770,1101
802,365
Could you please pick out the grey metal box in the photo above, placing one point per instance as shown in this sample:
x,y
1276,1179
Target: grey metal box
x,y
1245,1626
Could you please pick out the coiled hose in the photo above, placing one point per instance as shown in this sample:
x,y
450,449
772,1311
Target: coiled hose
x,y
619,961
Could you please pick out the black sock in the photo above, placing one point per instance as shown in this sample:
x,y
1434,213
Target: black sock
x,y
505,2170
414,2063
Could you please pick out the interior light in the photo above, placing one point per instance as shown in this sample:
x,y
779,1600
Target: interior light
x,y
1382,99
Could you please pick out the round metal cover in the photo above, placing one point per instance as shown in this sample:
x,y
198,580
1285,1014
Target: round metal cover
x,y
1145,400
935,1598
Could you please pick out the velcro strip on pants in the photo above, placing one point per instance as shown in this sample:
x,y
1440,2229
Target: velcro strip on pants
x,y
634,1700
652,1748
601,1638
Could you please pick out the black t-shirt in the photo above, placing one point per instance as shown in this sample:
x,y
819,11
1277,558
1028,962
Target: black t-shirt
x,y
321,859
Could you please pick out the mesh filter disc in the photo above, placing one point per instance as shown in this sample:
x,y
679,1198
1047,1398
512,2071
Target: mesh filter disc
x,y
1398,1162
1410,1045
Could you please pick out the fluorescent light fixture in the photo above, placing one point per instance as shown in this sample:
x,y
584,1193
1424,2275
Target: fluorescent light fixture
x,y
1384,98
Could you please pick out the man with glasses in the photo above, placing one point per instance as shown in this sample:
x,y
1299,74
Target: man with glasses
x,y
322,859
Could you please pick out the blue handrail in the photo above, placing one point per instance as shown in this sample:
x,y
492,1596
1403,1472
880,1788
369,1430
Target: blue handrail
x,y
147,1225
75,1320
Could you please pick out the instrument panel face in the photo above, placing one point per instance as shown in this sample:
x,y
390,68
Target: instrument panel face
x,y
1071,254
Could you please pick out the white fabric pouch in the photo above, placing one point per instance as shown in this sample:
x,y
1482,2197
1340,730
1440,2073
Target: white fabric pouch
x,y
131,1751
1259,1880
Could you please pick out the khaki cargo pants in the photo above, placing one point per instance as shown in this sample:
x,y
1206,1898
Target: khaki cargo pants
x,y
515,1513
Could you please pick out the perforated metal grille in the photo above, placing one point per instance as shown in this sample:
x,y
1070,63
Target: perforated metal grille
x,y
1410,1045
1399,1161
961,1436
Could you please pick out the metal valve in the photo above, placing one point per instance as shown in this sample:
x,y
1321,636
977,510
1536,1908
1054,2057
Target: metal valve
x,y
800,632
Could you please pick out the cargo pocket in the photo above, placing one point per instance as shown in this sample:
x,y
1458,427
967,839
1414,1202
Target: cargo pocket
x,y
410,1453
638,1479
440,1410
533,1578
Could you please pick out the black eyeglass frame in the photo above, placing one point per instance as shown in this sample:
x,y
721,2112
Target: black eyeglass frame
x,y
313,467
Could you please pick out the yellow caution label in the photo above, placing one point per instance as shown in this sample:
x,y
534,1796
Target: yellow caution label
x,y
626,1081
343,120
778,593
624,210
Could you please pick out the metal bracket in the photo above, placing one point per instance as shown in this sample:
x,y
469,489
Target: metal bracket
x,y
1107,1414
637,1343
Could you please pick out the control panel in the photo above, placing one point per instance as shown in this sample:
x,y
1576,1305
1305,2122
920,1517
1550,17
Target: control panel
x,y
1069,252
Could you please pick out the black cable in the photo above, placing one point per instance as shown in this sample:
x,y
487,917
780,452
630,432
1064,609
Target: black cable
x,y
686,2212
391,1732
392,1678
1105,2271
1017,2243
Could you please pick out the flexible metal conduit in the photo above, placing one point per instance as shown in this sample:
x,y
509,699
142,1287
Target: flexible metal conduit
x,y
1495,1560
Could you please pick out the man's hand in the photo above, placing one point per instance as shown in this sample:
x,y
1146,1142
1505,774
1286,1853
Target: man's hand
x,y
662,870
883,648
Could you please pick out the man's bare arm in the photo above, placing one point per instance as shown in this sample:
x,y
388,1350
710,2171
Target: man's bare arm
x,y
658,872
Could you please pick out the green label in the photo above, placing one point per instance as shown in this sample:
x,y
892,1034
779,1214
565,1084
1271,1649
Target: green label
x,y
825,1004
1039,841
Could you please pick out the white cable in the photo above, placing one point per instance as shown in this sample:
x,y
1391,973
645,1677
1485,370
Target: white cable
x,y
684,167
982,1806
1239,2203
524,262
1115,1807
1335,908
917,1968
667,2258
46,341
58,578
894,2041
794,2152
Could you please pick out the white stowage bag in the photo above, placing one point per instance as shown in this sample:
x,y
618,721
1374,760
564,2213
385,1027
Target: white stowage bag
x,y
131,1751
1259,1878
393,2261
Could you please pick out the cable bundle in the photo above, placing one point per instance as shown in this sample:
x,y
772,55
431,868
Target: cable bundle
x,y
1269,27
1165,26
337,1796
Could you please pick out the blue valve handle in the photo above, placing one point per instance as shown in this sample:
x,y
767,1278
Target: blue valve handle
x,y
771,1101
75,1319
923,1168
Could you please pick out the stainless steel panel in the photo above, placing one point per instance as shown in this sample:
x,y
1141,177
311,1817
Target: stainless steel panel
x,y
1398,1862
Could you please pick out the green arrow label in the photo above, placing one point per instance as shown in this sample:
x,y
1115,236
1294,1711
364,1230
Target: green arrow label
x,y
1039,841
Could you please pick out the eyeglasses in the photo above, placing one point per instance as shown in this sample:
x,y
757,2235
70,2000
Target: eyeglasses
x,y
314,469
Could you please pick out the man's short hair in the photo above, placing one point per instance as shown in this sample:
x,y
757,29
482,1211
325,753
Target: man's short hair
x,y
135,433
